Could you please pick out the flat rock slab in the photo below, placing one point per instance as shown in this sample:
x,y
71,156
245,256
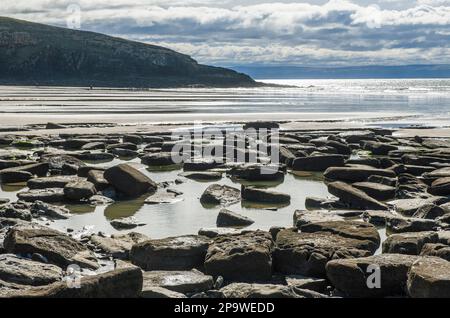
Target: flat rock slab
x,y
244,290
39,208
318,163
375,190
398,224
184,282
79,190
352,276
248,252
308,253
51,182
118,245
18,270
58,248
163,197
173,253
126,223
202,176
429,277
217,194
159,292
409,206
216,231
353,197
438,250
348,229
264,196
409,243
356,174
302,217
53,195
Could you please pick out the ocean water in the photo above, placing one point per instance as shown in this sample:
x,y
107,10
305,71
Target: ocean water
x,y
426,101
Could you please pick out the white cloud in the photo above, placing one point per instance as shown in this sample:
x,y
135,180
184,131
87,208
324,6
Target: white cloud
x,y
337,31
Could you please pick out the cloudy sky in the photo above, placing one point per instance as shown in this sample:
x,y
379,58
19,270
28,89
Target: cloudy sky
x,y
232,32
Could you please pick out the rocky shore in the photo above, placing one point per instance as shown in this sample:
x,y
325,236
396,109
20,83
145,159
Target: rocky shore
x,y
378,182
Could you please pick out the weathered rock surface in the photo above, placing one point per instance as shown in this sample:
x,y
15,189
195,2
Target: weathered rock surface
x,y
249,252
52,195
375,190
318,163
264,196
56,247
39,208
398,224
356,174
173,253
438,250
353,197
220,194
351,276
125,223
192,281
409,243
51,182
79,190
243,290
429,277
118,245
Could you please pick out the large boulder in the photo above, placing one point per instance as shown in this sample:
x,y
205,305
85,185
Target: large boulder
x,y
241,257
356,174
409,243
318,163
308,253
18,270
217,194
352,276
353,197
173,253
429,277
192,281
129,180
56,247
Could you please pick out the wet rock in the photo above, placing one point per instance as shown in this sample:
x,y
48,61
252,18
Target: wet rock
x,y
438,173
158,159
118,245
261,125
159,292
184,282
54,126
124,153
375,190
429,277
220,194
58,248
227,218
257,172
409,243
302,217
164,197
100,200
134,139
249,252
202,176
318,163
307,253
341,148
409,206
130,181
377,218
398,224
14,176
51,182
348,229
123,145
438,250
378,148
15,211
383,180
312,203
52,195
173,253
94,146
18,270
353,197
39,208
79,190
440,187
94,156
429,211
244,290
119,283
356,174
125,223
98,179
216,231
264,196
351,276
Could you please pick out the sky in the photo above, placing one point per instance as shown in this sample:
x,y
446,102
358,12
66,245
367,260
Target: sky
x,y
264,32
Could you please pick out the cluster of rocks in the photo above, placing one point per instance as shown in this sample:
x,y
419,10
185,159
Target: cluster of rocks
x,y
332,249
